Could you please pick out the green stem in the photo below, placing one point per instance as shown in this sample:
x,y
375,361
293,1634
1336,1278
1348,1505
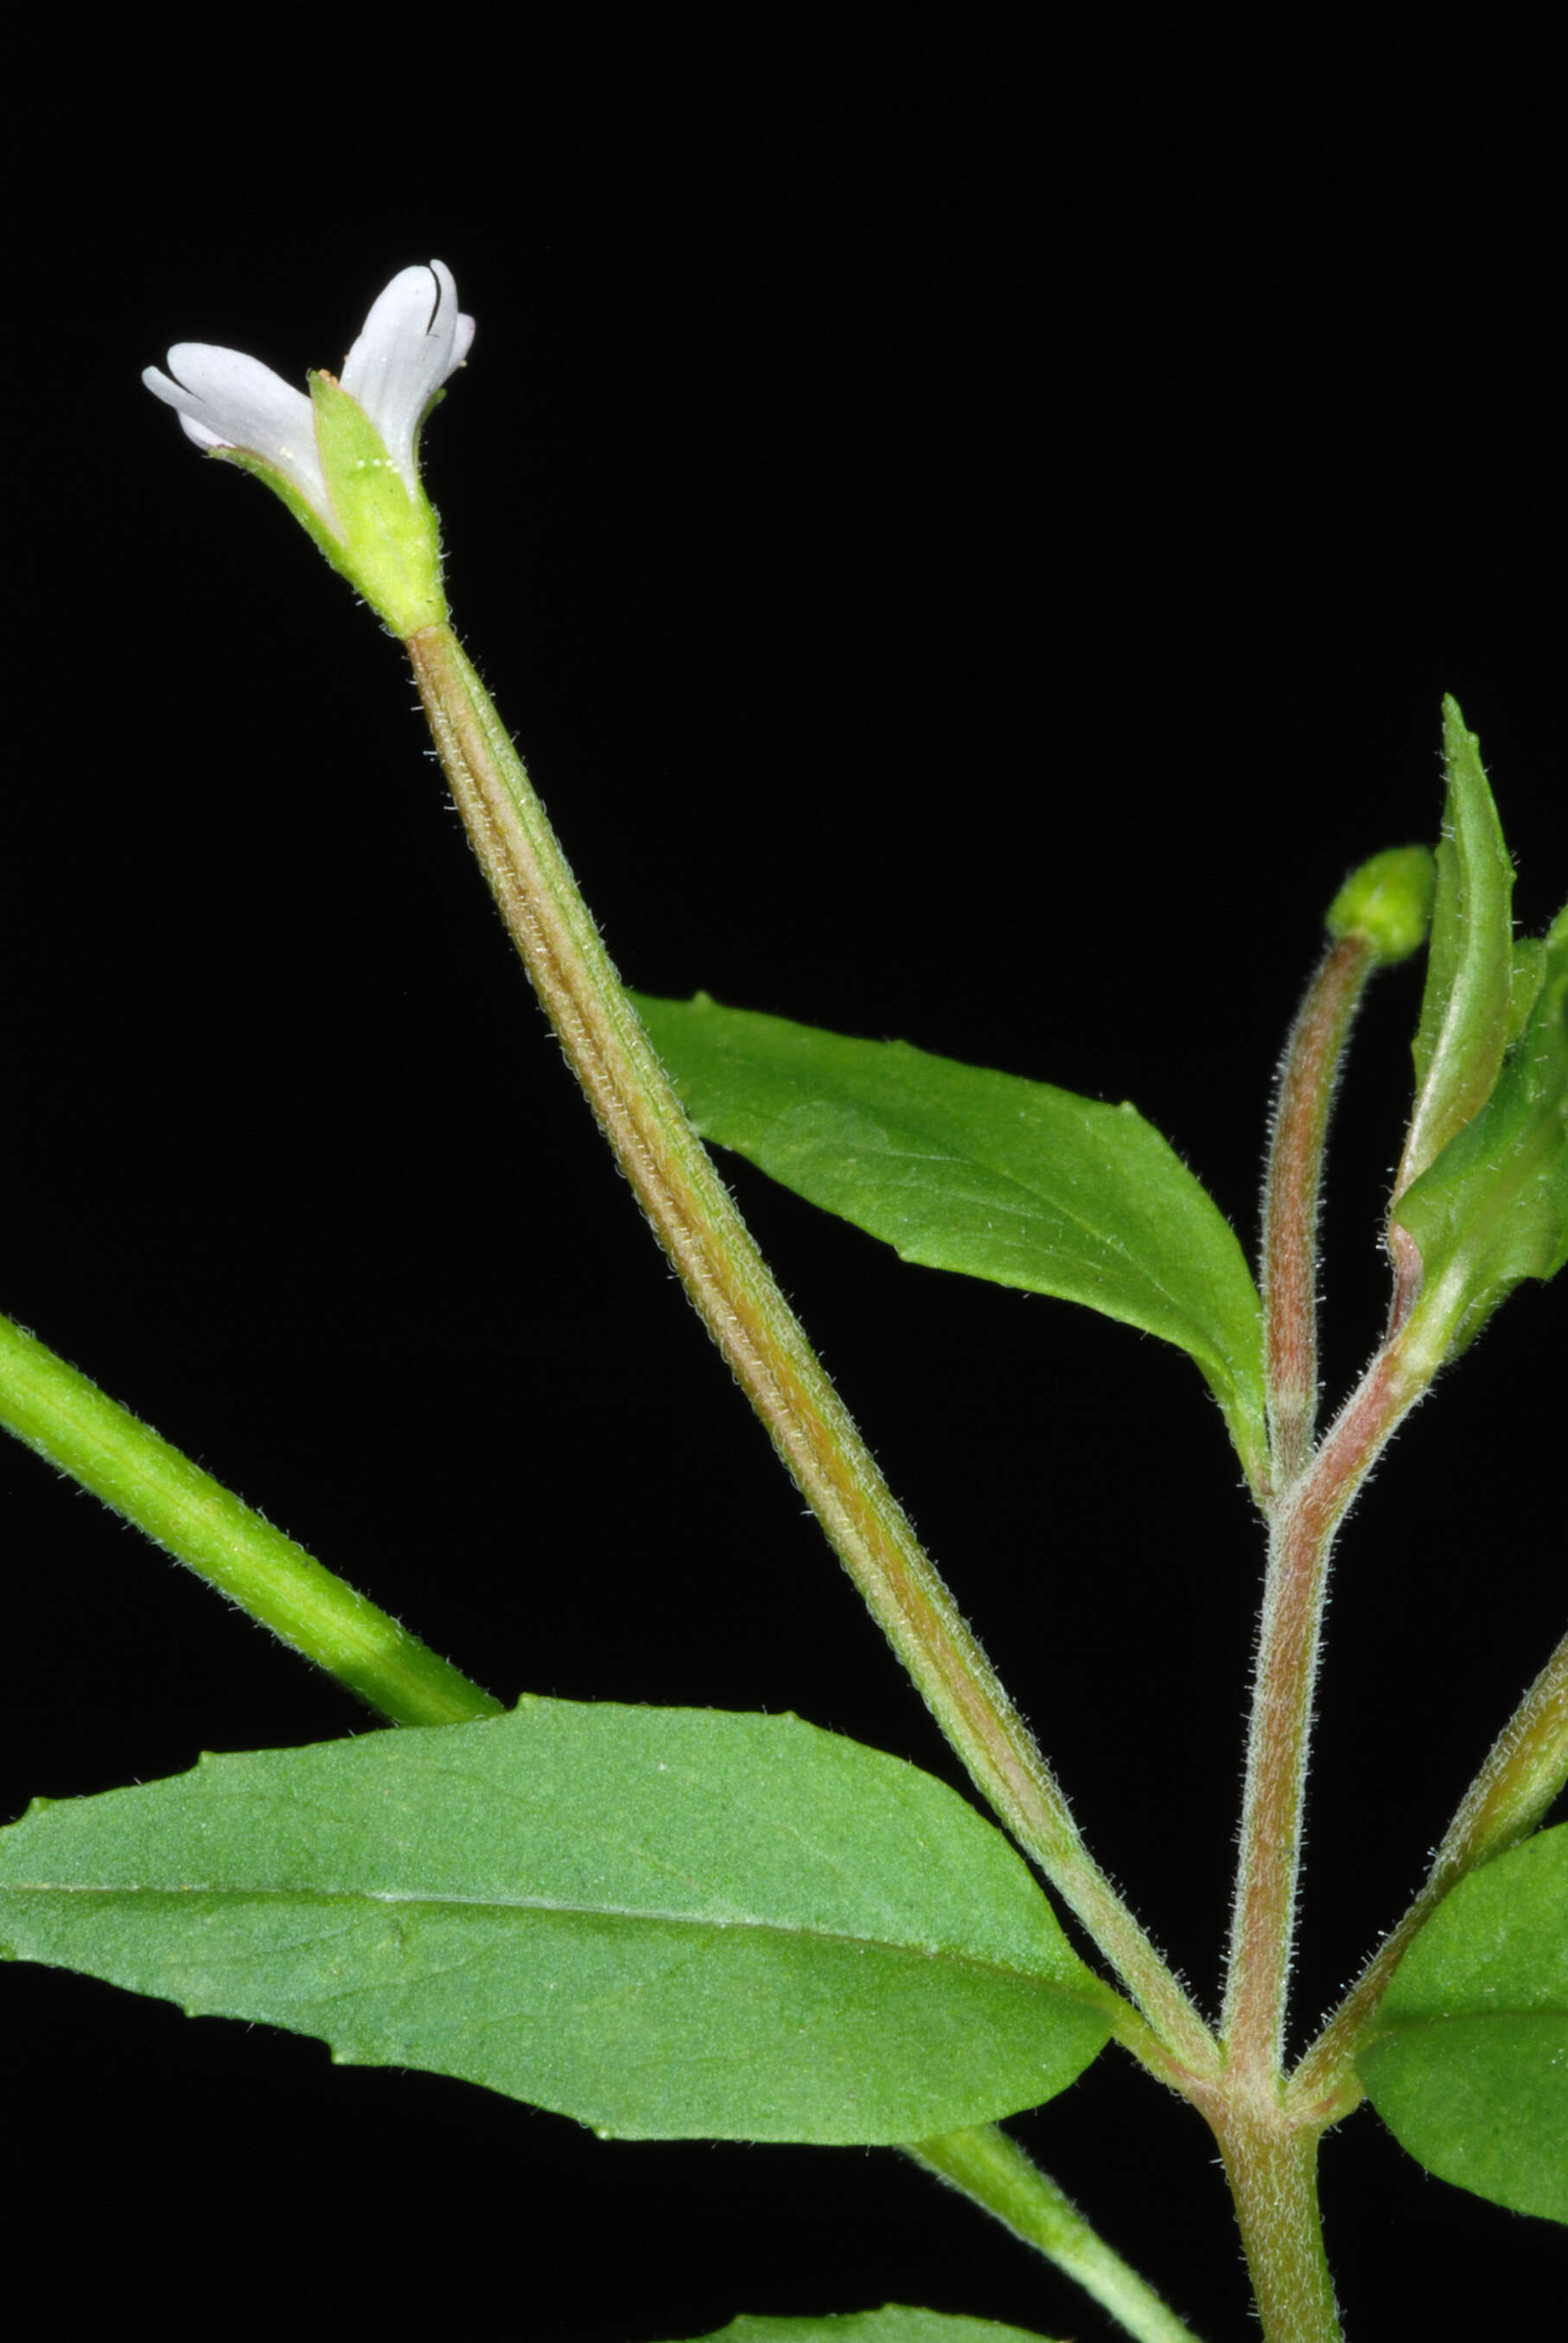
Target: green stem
x,y
1273,2169
995,2172
694,1221
79,1428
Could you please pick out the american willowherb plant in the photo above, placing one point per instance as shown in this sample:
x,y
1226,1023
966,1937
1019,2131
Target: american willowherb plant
x,y
677,1923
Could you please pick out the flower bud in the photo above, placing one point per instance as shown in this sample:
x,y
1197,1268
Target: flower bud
x,y
1388,901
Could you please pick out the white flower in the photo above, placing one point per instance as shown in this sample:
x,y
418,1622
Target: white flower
x,y
414,340
227,401
344,460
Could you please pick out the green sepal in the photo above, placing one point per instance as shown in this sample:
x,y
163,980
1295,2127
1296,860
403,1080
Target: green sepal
x,y
391,546
1463,1028
1467,2059
1493,1208
303,511
1388,901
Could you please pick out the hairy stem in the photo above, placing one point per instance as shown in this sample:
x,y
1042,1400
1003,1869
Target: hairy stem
x,y
993,2170
68,1420
1310,1493
1267,2134
1273,2169
1302,1106
696,1221
1306,1518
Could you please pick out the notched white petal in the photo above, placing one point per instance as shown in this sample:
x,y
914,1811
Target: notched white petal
x,y
226,400
414,339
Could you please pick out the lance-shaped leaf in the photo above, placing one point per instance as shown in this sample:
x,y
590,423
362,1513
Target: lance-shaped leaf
x,y
669,1923
962,1168
894,2323
1468,2061
1493,1208
1464,1012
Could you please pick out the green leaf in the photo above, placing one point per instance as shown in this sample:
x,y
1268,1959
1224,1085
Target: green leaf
x,y
965,1168
669,1923
1468,2065
892,2324
1493,1208
1464,1010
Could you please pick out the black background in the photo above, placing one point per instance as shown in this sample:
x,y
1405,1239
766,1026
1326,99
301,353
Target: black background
x,y
972,550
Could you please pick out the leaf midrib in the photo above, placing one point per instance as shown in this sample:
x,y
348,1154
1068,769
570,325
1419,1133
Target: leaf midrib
x,y
1037,1207
648,1915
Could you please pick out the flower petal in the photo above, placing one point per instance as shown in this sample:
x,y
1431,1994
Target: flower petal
x,y
414,339
226,400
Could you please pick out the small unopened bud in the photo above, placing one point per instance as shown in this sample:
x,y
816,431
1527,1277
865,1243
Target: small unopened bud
x,y
1388,901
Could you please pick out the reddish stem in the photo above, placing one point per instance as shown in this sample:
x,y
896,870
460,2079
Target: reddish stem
x,y
1307,1080
1306,1521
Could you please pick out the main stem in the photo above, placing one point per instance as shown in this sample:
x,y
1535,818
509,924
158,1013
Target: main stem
x,y
1268,2138
1302,1532
694,1221
1272,2172
1309,1493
